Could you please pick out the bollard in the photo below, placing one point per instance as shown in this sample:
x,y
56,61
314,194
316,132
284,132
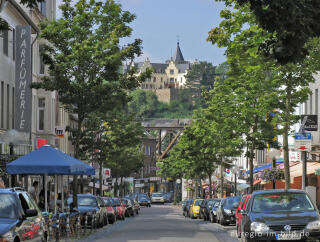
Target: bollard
x,y
68,225
49,228
57,232
85,223
78,226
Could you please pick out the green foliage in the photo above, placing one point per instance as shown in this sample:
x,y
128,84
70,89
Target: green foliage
x,y
259,84
291,25
145,105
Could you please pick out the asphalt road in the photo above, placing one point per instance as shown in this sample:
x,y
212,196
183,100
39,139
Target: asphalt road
x,y
163,223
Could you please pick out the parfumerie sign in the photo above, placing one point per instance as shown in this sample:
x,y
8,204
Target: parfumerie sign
x,y
23,101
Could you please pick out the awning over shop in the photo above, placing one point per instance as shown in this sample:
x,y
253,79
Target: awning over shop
x,y
97,186
242,186
261,168
50,161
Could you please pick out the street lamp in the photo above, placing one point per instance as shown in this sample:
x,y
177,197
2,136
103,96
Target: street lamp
x,y
273,154
235,171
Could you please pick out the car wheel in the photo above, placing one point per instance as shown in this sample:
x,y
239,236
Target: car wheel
x,y
238,232
211,218
221,220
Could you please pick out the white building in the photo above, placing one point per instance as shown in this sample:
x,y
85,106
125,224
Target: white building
x,y
46,113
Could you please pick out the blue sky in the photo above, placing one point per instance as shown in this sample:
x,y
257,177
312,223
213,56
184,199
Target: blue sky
x,y
160,22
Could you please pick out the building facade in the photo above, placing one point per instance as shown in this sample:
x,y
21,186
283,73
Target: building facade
x,y
170,74
46,115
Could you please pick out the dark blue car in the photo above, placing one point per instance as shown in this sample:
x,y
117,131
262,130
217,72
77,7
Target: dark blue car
x,y
20,217
89,205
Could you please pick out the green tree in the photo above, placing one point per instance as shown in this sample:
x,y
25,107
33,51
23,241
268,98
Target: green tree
x,y
261,85
84,57
291,25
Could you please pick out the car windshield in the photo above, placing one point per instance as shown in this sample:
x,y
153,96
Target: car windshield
x,y
157,195
107,201
198,202
211,202
84,201
280,202
8,206
231,202
116,202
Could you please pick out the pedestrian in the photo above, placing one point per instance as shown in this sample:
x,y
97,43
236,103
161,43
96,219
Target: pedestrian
x,y
34,191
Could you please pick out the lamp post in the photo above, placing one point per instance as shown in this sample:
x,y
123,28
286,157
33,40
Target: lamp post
x,y
235,171
273,154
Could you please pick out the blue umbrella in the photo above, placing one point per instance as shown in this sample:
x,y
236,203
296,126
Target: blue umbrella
x,y
50,161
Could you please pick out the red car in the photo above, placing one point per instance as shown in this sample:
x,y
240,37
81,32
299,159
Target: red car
x,y
121,208
111,211
242,205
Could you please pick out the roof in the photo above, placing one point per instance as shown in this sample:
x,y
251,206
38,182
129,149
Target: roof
x,y
277,191
178,57
159,67
182,67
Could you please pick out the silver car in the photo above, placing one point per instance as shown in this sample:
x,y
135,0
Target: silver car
x,y
157,198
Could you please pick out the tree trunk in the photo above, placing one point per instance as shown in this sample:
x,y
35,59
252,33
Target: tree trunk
x,y
76,155
210,187
175,193
251,165
285,135
115,188
121,187
100,176
221,179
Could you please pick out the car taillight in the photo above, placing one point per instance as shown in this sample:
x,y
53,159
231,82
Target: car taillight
x,y
3,240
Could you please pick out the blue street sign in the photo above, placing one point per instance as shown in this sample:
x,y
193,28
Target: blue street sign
x,y
302,136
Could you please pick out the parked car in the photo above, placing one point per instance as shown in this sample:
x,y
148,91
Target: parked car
x,y
213,212
280,215
89,204
227,210
129,207
242,205
157,198
144,200
194,210
20,217
187,208
205,208
111,209
168,197
121,208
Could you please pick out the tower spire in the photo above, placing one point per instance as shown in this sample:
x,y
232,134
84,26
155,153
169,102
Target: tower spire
x,y
178,57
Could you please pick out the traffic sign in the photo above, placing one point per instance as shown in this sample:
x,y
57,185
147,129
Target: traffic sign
x,y
302,141
302,136
309,122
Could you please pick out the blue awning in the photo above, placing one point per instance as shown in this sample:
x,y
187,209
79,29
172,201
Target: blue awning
x,y
261,168
50,161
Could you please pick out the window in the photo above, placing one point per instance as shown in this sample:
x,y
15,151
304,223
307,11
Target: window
x,y
171,79
41,108
181,80
311,103
149,150
5,42
171,71
43,7
2,105
316,102
13,108
306,107
161,79
154,79
146,150
8,106
13,44
41,63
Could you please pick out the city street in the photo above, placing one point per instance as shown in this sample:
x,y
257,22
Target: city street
x,y
163,223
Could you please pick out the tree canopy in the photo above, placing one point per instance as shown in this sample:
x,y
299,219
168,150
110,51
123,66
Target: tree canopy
x,y
291,25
